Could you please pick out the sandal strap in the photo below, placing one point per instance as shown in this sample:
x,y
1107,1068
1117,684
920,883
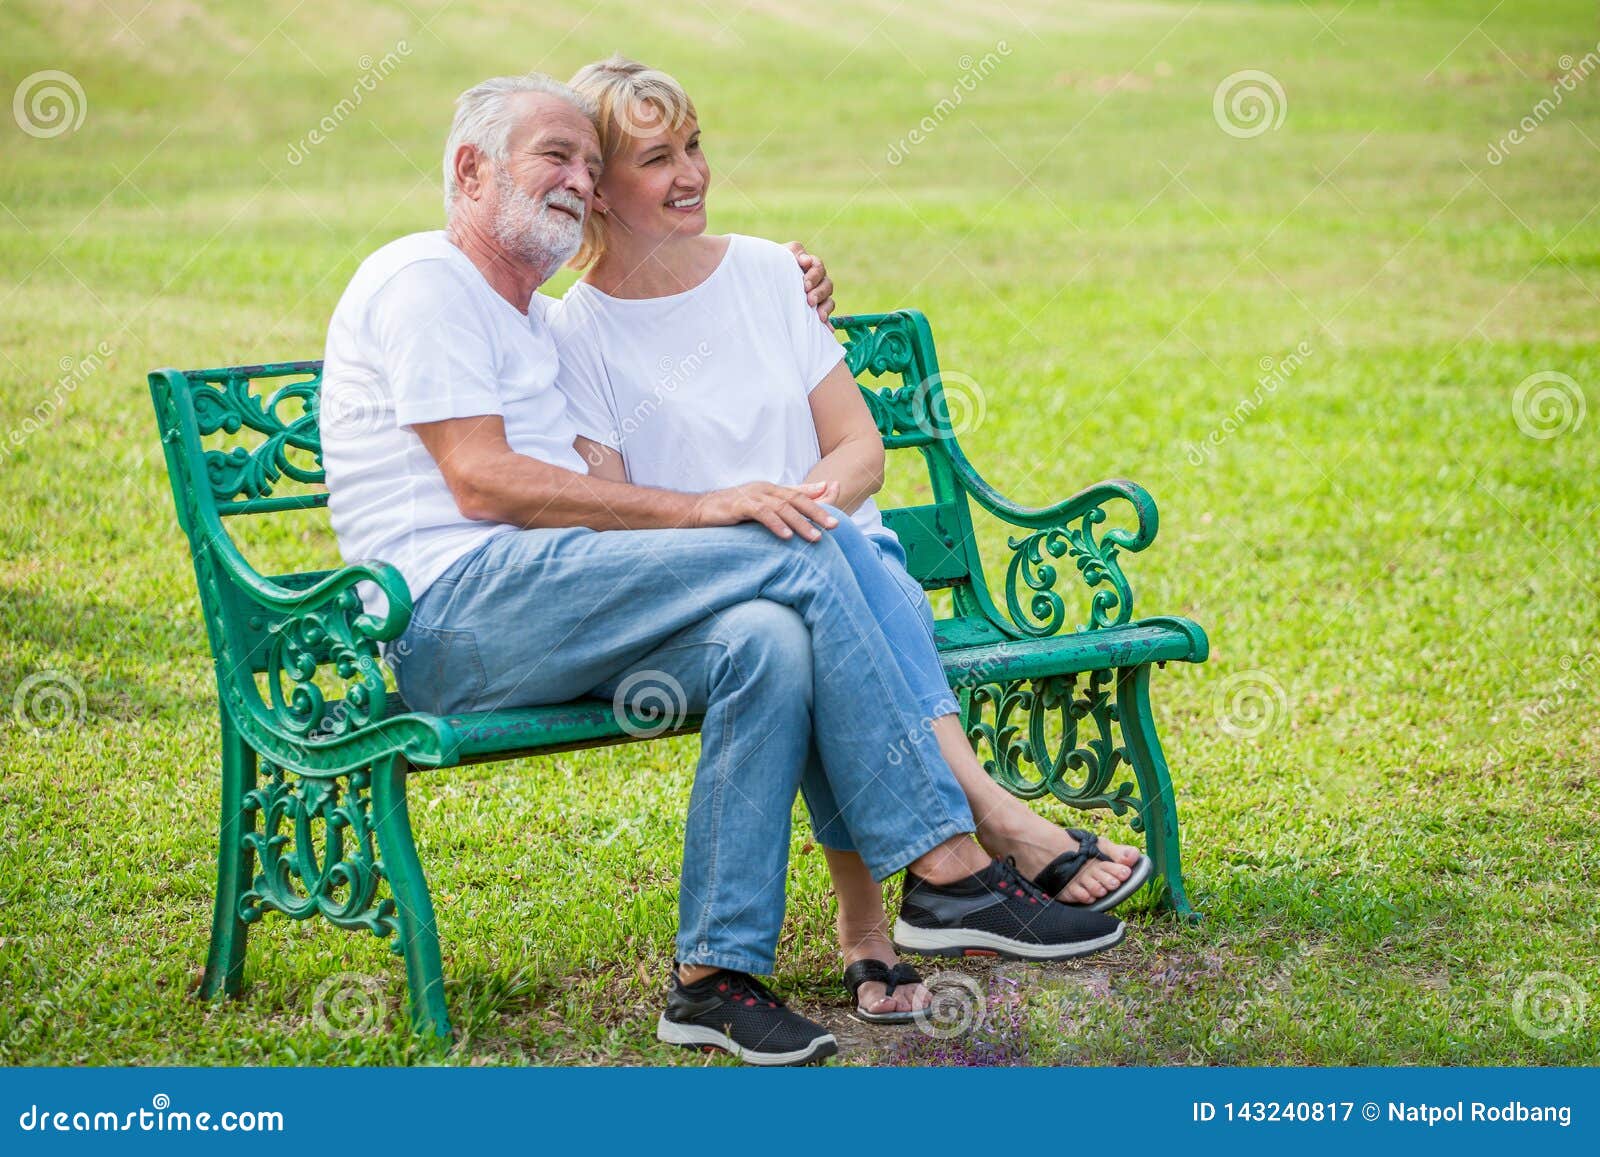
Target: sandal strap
x,y
902,973
1060,872
864,972
1088,842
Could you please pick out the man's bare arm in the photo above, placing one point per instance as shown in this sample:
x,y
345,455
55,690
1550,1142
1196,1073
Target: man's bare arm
x,y
492,482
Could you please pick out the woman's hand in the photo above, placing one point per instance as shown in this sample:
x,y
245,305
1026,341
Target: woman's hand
x,y
784,510
819,286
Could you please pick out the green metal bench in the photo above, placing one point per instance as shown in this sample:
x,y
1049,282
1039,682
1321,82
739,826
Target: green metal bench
x,y
316,749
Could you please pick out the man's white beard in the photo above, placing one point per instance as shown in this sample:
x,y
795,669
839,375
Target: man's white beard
x,y
531,230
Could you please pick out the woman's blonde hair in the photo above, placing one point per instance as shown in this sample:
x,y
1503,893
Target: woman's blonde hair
x,y
621,90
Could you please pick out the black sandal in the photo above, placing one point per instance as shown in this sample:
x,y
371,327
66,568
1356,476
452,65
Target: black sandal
x,y
867,971
1062,870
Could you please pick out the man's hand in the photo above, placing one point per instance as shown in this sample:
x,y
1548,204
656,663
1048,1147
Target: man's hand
x,y
781,509
819,286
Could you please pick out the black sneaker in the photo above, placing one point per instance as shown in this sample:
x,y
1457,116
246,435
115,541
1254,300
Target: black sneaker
x,y
735,1012
998,912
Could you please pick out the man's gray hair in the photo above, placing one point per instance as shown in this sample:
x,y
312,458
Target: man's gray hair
x,y
486,114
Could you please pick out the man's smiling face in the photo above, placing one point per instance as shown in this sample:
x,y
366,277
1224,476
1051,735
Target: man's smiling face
x,y
541,193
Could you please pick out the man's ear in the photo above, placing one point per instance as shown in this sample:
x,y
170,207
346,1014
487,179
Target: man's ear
x,y
468,165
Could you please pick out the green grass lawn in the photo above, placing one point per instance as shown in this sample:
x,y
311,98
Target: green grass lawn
x,y
1386,772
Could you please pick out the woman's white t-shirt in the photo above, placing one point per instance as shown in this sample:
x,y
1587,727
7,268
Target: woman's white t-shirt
x,y
708,388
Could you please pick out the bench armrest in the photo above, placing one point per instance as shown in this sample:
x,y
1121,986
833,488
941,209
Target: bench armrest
x,y
321,625
1065,528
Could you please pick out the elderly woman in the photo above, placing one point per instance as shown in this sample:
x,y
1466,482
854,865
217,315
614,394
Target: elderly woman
x,y
692,362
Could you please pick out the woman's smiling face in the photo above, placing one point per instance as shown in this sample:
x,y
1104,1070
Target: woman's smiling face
x,y
654,187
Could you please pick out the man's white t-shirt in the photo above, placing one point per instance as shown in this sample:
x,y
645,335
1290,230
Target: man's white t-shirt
x,y
708,388
421,336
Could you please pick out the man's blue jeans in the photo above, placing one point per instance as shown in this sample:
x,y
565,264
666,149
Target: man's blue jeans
x,y
763,635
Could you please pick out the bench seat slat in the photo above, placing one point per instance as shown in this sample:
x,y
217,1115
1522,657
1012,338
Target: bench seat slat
x,y
510,732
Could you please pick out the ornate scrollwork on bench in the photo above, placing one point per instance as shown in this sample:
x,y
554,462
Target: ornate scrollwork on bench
x,y
915,412
1041,722
338,634
287,419
296,815
1036,607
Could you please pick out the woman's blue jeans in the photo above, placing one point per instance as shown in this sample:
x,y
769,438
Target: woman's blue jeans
x,y
901,608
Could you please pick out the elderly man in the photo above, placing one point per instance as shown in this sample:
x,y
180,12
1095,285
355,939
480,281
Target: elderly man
x,y
450,454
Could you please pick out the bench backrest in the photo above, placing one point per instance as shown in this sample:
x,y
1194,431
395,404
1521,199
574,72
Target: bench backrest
x,y
244,440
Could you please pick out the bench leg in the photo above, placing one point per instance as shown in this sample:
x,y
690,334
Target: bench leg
x,y
419,932
1159,810
224,974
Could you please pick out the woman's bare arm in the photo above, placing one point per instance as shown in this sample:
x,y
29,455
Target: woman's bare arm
x,y
852,451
